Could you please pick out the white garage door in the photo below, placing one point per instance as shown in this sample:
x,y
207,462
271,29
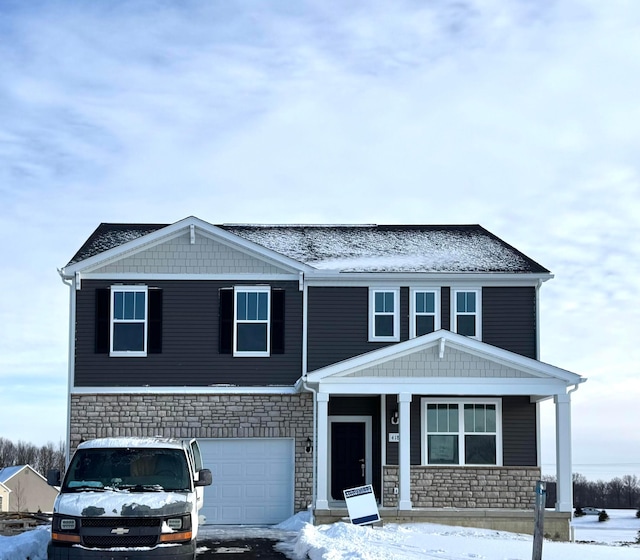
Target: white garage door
x,y
252,481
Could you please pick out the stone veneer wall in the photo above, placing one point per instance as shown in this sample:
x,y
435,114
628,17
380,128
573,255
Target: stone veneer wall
x,y
201,416
465,487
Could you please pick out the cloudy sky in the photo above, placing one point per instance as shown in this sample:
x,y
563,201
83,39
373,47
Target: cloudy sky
x,y
523,116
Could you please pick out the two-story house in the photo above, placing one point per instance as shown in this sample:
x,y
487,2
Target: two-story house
x,y
310,359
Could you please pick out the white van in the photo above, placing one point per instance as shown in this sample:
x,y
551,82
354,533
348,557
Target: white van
x,y
126,498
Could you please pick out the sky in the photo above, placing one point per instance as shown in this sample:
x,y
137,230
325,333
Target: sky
x,y
522,116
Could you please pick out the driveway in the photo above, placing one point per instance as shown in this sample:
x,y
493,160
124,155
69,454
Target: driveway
x,y
243,543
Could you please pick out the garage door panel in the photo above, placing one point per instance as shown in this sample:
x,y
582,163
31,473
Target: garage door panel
x,y
252,480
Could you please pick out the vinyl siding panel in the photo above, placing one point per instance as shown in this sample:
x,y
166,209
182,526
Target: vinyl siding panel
x,y
338,324
190,342
509,319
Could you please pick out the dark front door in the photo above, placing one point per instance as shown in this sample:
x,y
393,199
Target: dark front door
x,y
348,456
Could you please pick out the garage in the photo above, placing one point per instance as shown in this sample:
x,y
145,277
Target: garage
x,y
252,480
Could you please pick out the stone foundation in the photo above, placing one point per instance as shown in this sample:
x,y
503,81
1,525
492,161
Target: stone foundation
x,y
465,487
201,416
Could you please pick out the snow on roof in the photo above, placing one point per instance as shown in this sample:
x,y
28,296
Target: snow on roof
x,y
358,248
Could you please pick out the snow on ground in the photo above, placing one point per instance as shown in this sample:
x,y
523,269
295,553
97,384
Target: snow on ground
x,y
611,540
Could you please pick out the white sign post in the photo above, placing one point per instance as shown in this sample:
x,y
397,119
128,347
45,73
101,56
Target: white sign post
x,y
362,506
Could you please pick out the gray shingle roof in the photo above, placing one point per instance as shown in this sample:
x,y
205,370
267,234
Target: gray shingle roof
x,y
359,248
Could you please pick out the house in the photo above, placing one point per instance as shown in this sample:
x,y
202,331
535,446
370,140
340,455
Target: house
x,y
23,489
309,359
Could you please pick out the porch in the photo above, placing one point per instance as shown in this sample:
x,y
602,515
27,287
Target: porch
x,y
557,524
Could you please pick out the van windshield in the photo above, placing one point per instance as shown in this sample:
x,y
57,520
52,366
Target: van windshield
x,y
130,469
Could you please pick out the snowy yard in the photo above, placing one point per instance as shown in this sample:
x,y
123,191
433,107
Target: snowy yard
x,y
611,540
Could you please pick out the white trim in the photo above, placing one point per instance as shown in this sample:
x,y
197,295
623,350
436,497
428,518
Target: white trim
x,y
459,279
477,314
412,308
267,322
368,447
395,314
460,402
148,276
113,321
211,390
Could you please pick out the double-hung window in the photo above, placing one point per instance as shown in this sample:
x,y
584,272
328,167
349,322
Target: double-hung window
x,y
251,329
462,432
466,312
424,311
384,313
129,321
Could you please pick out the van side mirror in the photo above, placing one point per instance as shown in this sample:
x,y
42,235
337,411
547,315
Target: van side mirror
x,y
204,478
53,477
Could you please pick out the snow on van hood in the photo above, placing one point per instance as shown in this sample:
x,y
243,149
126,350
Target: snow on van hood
x,y
123,504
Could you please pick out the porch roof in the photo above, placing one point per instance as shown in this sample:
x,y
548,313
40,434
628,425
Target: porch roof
x,y
443,363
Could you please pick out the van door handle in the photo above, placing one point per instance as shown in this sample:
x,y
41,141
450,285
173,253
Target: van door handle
x,y
363,467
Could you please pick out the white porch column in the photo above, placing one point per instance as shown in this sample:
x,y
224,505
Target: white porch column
x,y
404,459
564,474
322,442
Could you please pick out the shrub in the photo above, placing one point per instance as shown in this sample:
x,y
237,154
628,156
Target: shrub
x,y
603,516
638,514
578,512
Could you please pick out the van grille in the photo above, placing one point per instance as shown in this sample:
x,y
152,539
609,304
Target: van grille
x,y
111,532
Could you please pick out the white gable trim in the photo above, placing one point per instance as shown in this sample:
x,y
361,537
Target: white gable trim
x,y
443,338
190,225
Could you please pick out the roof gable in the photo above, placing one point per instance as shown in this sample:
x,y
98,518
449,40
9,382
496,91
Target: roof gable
x,y
8,472
442,354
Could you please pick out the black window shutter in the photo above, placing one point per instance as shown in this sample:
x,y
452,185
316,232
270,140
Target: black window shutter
x,y
103,306
225,318
277,321
154,342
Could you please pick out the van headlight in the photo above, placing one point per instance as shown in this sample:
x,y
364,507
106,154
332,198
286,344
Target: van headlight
x,y
64,529
175,523
67,524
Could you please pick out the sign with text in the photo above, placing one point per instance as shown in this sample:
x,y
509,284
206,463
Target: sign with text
x,y
362,506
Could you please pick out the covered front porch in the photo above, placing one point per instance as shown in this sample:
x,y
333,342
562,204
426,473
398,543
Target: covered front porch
x,y
493,488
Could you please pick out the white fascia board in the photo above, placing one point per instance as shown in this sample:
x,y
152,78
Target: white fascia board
x,y
175,230
337,278
457,386
217,390
224,277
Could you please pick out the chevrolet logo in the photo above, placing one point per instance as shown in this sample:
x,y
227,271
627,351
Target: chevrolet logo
x,y
119,531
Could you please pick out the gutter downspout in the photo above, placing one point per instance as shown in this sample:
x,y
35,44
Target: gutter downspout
x,y
71,353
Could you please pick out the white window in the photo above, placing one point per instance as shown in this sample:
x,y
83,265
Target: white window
x,y
251,328
384,312
466,306
462,432
129,321
424,311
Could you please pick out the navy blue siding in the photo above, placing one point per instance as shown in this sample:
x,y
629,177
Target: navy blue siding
x,y
509,319
190,342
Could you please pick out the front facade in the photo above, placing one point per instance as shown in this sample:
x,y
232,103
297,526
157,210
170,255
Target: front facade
x,y
23,489
310,359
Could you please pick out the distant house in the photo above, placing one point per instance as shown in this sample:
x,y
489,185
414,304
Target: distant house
x,y
312,358
24,489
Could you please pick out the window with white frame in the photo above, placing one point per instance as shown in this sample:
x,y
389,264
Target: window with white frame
x,y
129,321
384,304
424,311
251,329
466,313
462,432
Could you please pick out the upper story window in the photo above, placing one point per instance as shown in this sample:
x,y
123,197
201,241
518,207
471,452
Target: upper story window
x,y
462,432
466,312
384,313
251,321
424,311
128,321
